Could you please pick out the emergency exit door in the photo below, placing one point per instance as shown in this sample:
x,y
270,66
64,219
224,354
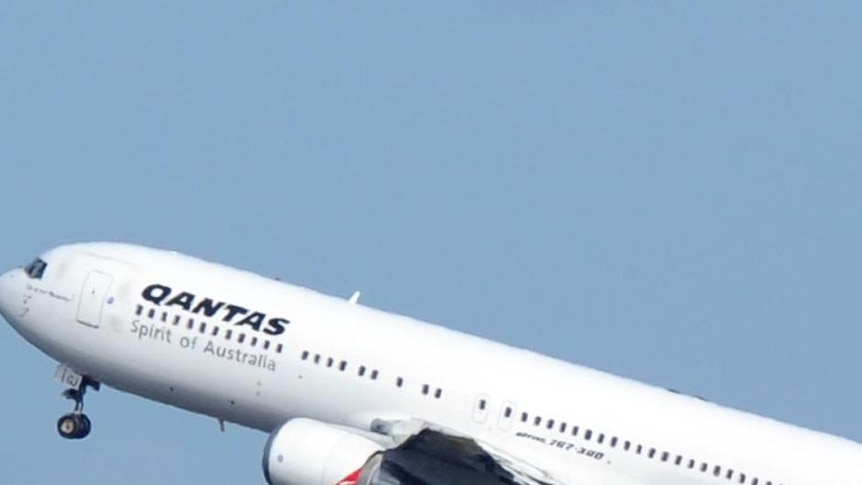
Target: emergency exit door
x,y
93,298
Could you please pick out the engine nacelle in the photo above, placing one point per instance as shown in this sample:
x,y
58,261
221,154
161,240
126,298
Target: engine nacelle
x,y
308,452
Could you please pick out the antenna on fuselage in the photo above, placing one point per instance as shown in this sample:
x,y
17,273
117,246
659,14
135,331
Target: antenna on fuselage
x,y
355,298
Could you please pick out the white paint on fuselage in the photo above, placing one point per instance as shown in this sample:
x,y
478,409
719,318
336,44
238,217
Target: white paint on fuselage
x,y
169,363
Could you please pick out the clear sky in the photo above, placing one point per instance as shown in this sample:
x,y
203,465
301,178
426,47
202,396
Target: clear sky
x,y
665,190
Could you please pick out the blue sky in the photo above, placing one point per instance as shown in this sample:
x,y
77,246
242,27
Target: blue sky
x,y
665,190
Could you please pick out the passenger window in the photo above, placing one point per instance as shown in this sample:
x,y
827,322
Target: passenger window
x,y
550,423
139,310
588,434
228,334
241,338
203,328
279,348
305,355
399,382
253,341
425,389
507,413
438,393
329,362
537,420
374,375
361,370
215,331
480,409
342,366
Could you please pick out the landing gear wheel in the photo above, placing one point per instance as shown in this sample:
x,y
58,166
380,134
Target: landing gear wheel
x,y
74,426
67,426
87,425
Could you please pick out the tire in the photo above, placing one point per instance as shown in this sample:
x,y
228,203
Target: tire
x,y
69,426
86,426
74,426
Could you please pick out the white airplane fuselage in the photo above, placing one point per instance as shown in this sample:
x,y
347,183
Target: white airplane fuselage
x,y
254,351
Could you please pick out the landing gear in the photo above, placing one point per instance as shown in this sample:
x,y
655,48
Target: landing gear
x,y
76,425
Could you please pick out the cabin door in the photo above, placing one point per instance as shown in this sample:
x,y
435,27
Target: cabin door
x,y
92,300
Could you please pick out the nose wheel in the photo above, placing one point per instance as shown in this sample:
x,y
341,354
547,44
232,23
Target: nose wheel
x,y
76,425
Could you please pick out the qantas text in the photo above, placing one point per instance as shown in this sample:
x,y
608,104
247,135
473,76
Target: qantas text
x,y
163,295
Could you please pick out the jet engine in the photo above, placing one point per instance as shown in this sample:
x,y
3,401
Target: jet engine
x,y
308,452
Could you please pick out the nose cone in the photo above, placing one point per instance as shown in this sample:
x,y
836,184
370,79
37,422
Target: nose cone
x,y
11,292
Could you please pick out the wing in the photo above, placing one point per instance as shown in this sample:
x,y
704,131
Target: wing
x,y
425,454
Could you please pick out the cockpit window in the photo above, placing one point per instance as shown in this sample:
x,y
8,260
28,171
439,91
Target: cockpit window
x,y
36,269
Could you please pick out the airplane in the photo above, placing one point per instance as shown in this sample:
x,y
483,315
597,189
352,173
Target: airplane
x,y
352,395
